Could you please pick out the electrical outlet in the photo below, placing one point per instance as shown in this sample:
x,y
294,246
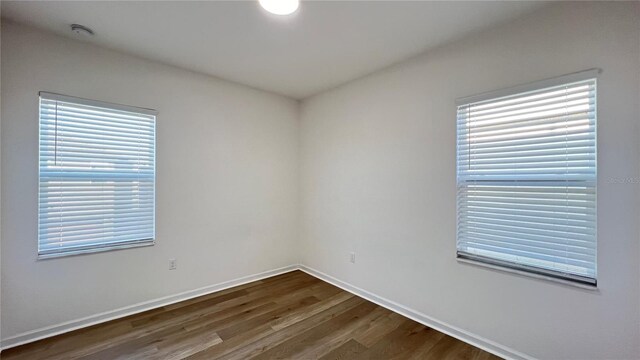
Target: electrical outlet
x,y
352,257
173,264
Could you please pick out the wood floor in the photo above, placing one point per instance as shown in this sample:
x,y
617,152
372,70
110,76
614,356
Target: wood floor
x,y
290,316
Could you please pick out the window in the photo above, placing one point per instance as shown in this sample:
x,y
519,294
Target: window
x,y
526,178
96,176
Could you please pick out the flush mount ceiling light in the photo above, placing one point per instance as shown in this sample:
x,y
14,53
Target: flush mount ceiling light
x,y
81,30
280,7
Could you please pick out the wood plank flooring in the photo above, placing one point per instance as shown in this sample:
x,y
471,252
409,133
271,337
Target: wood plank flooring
x,y
290,316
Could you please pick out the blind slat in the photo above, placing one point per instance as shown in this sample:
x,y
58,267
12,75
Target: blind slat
x,y
97,175
526,171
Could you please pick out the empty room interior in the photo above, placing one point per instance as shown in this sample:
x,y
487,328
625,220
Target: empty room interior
x,y
291,179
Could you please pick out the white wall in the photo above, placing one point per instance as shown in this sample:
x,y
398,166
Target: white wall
x,y
227,179
378,178
1,179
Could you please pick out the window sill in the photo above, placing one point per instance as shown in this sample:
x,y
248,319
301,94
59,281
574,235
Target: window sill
x,y
96,250
528,274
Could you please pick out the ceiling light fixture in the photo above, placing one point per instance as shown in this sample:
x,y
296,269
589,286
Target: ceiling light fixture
x,y
280,7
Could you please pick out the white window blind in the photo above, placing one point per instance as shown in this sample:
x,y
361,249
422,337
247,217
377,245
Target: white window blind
x,y
96,176
526,178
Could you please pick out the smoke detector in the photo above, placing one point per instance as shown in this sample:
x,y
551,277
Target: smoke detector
x,y
81,30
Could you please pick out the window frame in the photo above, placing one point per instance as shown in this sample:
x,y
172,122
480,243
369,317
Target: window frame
x,y
106,246
520,268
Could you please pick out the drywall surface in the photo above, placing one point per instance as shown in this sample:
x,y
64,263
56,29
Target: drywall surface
x,y
1,182
378,178
227,178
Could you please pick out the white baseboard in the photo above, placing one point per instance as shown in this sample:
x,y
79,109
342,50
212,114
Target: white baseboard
x,y
463,335
482,343
57,329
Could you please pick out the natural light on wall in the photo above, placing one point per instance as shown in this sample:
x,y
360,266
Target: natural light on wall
x,y
526,169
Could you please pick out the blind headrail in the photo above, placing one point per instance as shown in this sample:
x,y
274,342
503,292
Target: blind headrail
x,y
519,89
102,104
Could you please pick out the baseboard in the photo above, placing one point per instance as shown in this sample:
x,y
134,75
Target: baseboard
x,y
463,335
53,330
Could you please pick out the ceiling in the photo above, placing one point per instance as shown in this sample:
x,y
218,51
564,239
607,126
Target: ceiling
x,y
323,44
